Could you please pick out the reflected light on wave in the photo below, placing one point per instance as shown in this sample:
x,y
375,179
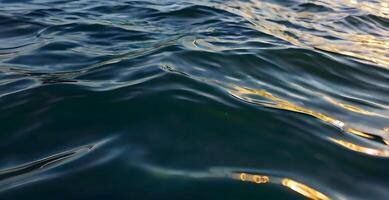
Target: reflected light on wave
x,y
278,103
353,108
362,149
254,178
379,8
303,189
268,18
271,101
289,183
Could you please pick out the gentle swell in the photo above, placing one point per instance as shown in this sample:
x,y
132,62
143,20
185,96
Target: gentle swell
x,y
320,69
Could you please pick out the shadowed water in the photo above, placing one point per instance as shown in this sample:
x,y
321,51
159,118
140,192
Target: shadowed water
x,y
207,99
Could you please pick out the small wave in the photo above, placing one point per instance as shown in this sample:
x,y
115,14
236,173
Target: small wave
x,y
303,84
243,175
25,173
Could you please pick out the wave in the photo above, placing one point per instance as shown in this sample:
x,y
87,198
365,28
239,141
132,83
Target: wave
x,y
319,69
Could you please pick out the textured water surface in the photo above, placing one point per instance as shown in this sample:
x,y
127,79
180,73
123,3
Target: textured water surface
x,y
185,99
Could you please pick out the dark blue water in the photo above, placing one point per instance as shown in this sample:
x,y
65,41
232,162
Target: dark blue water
x,y
184,99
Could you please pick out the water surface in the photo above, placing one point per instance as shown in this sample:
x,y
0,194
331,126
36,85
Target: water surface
x,y
184,99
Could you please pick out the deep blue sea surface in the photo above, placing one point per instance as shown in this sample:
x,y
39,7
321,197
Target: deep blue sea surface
x,y
194,99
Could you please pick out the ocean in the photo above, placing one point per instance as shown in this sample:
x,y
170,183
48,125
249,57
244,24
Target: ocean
x,y
194,99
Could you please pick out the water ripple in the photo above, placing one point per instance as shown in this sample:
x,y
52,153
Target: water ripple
x,y
290,86
24,173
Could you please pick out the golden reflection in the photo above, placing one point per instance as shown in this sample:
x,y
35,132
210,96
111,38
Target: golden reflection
x,y
361,149
298,187
359,133
294,185
352,108
243,176
278,103
239,92
254,178
379,8
304,189
266,17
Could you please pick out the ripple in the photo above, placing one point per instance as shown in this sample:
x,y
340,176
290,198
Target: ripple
x,y
297,90
239,175
362,149
22,174
271,101
266,17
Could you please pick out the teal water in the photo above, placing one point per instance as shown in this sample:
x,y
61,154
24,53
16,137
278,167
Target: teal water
x,y
184,99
